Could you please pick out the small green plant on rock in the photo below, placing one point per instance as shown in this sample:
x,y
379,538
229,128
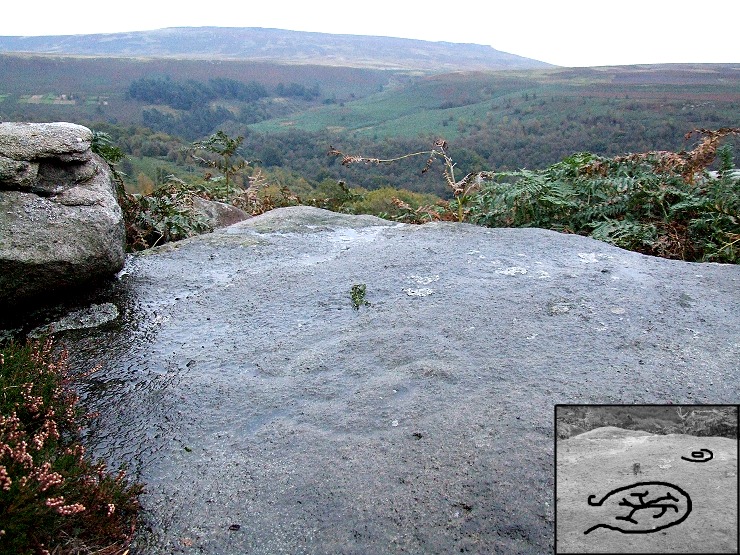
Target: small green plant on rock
x,y
357,294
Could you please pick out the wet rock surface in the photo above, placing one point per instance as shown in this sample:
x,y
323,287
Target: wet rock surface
x,y
267,415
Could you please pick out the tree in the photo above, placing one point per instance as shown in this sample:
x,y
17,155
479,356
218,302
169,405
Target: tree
x,y
226,149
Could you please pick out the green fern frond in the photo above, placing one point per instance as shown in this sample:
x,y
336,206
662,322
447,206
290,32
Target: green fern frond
x,y
628,234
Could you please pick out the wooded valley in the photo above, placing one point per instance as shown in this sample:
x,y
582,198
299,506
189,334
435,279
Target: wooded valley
x,y
291,114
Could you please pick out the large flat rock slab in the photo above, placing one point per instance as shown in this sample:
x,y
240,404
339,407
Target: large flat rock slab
x,y
267,415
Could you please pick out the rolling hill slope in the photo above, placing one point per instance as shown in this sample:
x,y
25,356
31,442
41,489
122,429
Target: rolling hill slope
x,y
277,45
453,103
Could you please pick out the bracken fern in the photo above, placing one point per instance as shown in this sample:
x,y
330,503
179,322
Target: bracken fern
x,y
659,203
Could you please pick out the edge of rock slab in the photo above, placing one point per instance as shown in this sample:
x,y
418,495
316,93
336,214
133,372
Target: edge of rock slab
x,y
305,219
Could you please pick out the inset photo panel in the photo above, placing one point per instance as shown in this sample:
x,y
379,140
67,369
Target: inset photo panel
x,y
646,479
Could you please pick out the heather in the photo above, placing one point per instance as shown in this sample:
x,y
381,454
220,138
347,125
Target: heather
x,y
53,497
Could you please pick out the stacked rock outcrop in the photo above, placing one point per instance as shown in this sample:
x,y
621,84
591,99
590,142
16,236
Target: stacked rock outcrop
x,y
60,222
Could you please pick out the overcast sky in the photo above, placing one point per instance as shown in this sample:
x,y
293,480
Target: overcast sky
x,y
561,32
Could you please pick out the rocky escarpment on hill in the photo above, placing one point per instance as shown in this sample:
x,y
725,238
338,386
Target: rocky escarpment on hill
x,y
268,409
60,223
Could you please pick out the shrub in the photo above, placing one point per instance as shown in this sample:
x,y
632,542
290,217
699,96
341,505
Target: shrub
x,y
385,202
222,154
716,421
659,203
53,498
463,190
165,215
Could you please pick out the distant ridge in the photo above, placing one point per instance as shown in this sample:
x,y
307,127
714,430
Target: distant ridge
x,y
254,43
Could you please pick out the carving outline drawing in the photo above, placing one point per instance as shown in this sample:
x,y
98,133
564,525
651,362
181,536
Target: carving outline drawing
x,y
650,504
